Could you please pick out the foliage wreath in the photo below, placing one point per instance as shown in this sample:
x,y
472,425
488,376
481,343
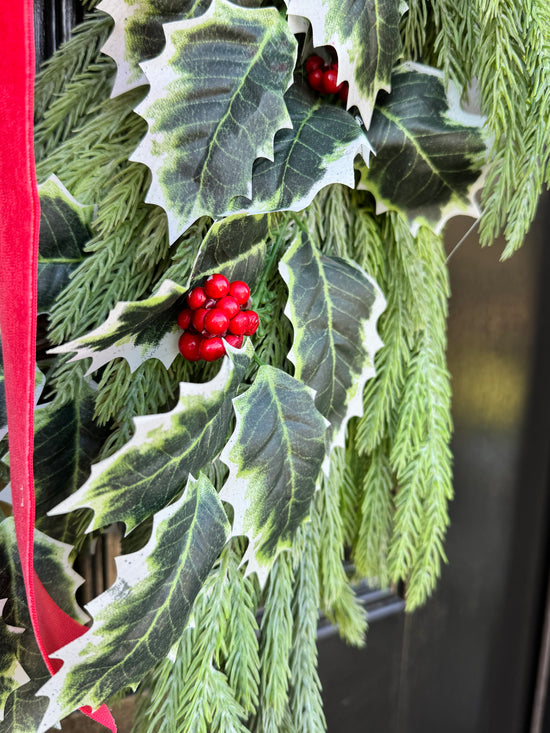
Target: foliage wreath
x,y
179,139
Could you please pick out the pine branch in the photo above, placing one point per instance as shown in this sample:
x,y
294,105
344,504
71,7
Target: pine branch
x,y
305,702
376,518
275,646
72,58
338,600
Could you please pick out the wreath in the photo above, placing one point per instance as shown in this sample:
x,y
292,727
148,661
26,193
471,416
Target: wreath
x,y
242,291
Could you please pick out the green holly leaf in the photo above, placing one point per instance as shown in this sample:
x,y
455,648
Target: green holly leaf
x,y
320,149
64,230
134,330
149,470
365,35
215,104
12,674
429,152
147,329
138,620
23,710
236,247
39,382
67,440
333,306
138,34
274,458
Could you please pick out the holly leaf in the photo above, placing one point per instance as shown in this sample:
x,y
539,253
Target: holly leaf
x,y
147,329
12,674
365,35
333,306
150,470
139,619
215,104
274,457
23,710
67,441
320,149
64,230
134,330
429,152
138,34
236,247
39,382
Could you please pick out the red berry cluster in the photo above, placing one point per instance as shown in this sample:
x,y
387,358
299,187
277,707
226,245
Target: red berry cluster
x,y
322,77
216,310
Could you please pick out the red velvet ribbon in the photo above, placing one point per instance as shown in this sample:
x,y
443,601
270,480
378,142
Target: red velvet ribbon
x,y
19,228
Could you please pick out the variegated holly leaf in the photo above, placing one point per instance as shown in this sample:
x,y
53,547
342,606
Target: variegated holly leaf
x,y
429,152
147,329
320,149
150,470
333,306
215,104
12,674
39,382
274,458
134,330
138,620
236,247
64,230
137,34
67,440
365,35
23,710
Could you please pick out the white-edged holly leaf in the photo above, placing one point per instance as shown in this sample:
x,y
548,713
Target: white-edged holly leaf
x,y
39,382
429,152
141,616
23,710
365,35
137,34
149,471
214,106
333,306
236,247
274,457
135,330
64,230
147,329
12,674
320,149
66,442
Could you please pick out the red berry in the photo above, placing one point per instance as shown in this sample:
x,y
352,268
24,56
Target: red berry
x,y
330,85
253,322
314,62
216,322
343,93
315,80
228,305
184,319
196,298
198,319
235,341
239,324
216,286
189,346
240,291
212,349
